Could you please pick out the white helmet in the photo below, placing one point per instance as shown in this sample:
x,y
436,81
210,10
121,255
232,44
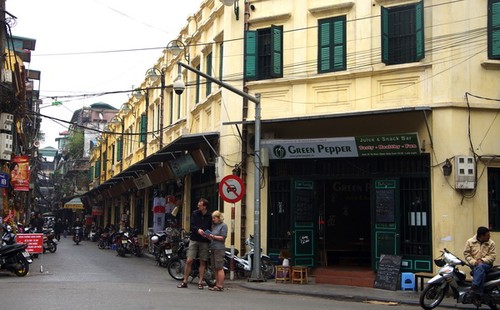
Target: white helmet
x,y
154,239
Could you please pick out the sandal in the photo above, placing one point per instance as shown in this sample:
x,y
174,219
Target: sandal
x,y
200,286
217,288
182,285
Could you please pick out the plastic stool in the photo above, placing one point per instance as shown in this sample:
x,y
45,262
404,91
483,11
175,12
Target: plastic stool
x,y
407,281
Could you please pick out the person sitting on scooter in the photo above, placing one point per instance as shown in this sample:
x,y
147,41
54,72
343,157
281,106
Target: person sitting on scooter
x,y
480,252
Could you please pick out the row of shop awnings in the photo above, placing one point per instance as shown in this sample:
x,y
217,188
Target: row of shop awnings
x,y
182,156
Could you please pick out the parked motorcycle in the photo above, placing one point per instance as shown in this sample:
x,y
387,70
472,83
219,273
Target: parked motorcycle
x,y
177,265
164,245
105,239
243,264
77,234
49,241
451,278
127,243
13,256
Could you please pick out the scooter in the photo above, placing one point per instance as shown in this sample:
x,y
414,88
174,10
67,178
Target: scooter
x,y
451,278
243,264
13,256
77,234
49,241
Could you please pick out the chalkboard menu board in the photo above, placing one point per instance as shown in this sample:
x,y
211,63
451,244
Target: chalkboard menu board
x,y
384,206
388,272
304,205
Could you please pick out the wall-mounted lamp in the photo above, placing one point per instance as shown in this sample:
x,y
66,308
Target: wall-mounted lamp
x,y
137,94
153,74
176,47
125,108
447,167
236,5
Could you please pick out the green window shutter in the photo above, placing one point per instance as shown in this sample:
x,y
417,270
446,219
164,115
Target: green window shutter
x,y
332,44
385,35
119,149
250,55
419,31
339,43
171,118
221,58
209,72
494,29
97,168
277,52
324,57
144,128
91,174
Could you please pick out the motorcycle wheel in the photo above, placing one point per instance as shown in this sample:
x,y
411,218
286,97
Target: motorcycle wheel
x,y
162,258
432,295
121,251
267,267
209,276
176,268
23,262
100,244
138,251
52,247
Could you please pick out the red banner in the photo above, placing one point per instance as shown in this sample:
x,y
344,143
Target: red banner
x,y
34,242
20,173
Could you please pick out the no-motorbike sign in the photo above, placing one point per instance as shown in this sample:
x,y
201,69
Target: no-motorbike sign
x,y
231,188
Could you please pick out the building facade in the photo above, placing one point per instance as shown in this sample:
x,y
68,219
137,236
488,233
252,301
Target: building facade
x,y
378,127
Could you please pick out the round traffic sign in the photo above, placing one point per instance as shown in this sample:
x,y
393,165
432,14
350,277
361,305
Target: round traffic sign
x,y
231,188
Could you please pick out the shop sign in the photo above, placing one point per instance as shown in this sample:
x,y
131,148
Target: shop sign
x,y
382,145
183,165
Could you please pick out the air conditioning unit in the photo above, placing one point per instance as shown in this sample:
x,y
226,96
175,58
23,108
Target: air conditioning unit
x,y
6,121
5,146
465,172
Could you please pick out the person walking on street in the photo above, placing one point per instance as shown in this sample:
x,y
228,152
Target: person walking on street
x,y
65,228
218,236
480,252
58,229
201,220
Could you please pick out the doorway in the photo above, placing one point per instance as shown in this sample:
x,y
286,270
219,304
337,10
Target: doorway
x,y
346,222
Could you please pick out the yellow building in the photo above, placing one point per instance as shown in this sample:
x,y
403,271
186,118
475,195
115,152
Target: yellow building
x,y
366,106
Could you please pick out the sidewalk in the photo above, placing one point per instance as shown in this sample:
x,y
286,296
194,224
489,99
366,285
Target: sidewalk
x,y
341,292
346,293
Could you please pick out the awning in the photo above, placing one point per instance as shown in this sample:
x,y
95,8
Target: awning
x,y
150,165
75,203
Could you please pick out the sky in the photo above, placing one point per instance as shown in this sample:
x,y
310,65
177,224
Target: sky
x,y
88,47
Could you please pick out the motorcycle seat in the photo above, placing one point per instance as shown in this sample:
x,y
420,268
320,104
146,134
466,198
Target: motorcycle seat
x,y
493,274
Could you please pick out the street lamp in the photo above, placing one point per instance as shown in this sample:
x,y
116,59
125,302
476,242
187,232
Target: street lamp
x,y
176,47
236,6
179,88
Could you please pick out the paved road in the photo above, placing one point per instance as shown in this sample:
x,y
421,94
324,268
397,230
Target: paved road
x,y
84,277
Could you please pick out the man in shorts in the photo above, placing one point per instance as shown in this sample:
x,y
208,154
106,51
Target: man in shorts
x,y
201,220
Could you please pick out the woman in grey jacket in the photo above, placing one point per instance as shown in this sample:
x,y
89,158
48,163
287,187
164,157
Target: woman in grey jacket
x,y
217,237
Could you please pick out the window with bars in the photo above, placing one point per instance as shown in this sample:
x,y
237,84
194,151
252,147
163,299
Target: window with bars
x,y
264,53
402,34
494,29
332,44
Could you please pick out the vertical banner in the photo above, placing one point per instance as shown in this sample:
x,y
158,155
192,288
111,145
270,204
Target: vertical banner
x,y
20,173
